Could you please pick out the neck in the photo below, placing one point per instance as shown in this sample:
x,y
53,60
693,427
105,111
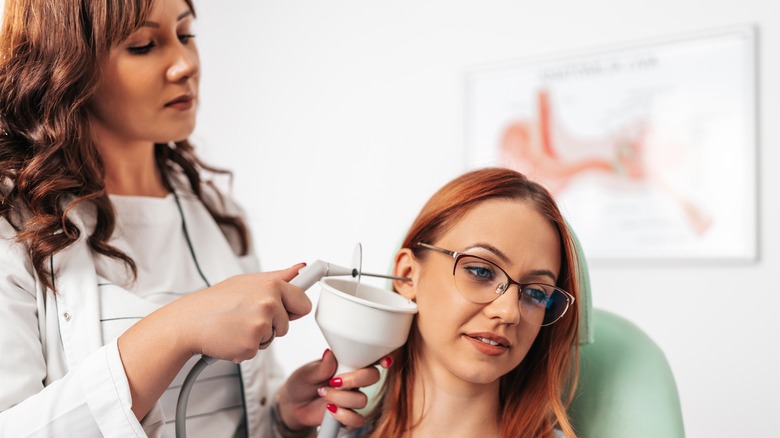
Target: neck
x,y
445,402
132,171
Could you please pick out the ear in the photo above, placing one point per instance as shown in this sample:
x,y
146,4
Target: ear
x,y
406,266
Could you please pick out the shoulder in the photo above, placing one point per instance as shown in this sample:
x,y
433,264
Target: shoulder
x,y
8,235
221,199
217,198
221,206
79,211
15,264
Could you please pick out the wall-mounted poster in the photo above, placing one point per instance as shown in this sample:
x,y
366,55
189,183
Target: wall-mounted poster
x,y
650,150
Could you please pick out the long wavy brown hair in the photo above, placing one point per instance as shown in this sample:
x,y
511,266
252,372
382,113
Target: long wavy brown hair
x,y
51,53
533,396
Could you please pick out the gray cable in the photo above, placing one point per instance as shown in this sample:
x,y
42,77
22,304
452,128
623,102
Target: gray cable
x,y
184,395
204,361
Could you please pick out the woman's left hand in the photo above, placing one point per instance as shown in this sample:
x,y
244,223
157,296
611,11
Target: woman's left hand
x,y
312,388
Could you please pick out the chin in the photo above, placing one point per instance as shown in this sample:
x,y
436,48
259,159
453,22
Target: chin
x,y
483,379
481,375
175,136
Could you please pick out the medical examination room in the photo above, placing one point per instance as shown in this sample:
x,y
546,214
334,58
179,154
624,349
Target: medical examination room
x,y
644,131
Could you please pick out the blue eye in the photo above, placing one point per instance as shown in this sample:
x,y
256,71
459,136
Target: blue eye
x,y
481,273
536,295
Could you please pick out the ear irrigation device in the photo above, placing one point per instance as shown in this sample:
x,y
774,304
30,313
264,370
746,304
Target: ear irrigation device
x,y
359,329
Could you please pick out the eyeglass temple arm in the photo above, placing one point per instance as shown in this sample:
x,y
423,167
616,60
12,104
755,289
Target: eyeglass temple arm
x,y
454,254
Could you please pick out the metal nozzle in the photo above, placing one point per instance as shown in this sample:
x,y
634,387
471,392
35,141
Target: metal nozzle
x,y
390,277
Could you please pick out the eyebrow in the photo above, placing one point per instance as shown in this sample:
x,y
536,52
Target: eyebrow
x,y
156,25
498,253
544,272
490,248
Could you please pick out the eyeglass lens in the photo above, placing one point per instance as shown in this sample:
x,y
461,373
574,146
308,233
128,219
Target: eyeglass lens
x,y
481,281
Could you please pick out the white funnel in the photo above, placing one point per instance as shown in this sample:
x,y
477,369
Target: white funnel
x,y
361,329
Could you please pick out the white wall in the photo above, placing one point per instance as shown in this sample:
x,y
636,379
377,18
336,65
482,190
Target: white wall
x,y
341,118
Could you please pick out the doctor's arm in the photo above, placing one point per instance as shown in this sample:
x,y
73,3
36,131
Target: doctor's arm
x,y
226,321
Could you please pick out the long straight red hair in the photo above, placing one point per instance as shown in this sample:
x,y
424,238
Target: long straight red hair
x,y
533,396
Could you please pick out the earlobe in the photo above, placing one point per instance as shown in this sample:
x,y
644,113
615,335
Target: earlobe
x,y
406,266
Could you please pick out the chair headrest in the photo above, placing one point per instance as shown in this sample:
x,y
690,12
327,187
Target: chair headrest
x,y
585,303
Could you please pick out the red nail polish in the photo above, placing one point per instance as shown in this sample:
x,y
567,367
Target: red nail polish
x,y
331,407
336,382
387,361
324,353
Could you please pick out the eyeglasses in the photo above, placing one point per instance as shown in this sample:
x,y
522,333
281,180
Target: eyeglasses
x,y
482,281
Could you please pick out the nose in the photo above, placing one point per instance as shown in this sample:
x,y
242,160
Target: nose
x,y
185,64
506,307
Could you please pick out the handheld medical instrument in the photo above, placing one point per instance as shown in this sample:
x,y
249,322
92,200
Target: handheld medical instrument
x,y
361,324
347,321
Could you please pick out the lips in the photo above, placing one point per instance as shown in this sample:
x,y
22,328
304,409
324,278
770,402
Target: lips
x,y
487,341
490,339
184,99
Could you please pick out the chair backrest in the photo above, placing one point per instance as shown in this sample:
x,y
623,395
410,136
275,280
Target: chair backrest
x,y
626,387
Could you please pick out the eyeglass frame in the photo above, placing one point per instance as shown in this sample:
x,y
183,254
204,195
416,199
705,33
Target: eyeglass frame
x,y
511,281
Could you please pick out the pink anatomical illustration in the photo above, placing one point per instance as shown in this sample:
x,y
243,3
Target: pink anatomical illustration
x,y
630,156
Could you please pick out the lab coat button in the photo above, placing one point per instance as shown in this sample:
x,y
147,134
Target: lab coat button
x,y
66,316
263,401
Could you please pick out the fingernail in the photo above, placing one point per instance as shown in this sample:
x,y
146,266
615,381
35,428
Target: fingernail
x,y
324,353
386,362
331,407
322,391
336,382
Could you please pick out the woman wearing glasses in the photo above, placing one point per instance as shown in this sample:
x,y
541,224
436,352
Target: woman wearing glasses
x,y
493,348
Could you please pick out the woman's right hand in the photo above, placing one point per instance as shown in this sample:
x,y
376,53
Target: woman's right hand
x,y
231,319
226,321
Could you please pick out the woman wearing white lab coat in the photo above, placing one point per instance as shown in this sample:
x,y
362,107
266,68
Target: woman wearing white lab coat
x,y
56,340
118,263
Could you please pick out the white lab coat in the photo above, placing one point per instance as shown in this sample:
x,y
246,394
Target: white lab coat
x,y
57,379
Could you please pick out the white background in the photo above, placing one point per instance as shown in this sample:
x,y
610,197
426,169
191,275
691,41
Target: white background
x,y
341,118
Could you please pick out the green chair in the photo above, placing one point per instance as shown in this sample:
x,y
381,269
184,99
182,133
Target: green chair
x,y
626,388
